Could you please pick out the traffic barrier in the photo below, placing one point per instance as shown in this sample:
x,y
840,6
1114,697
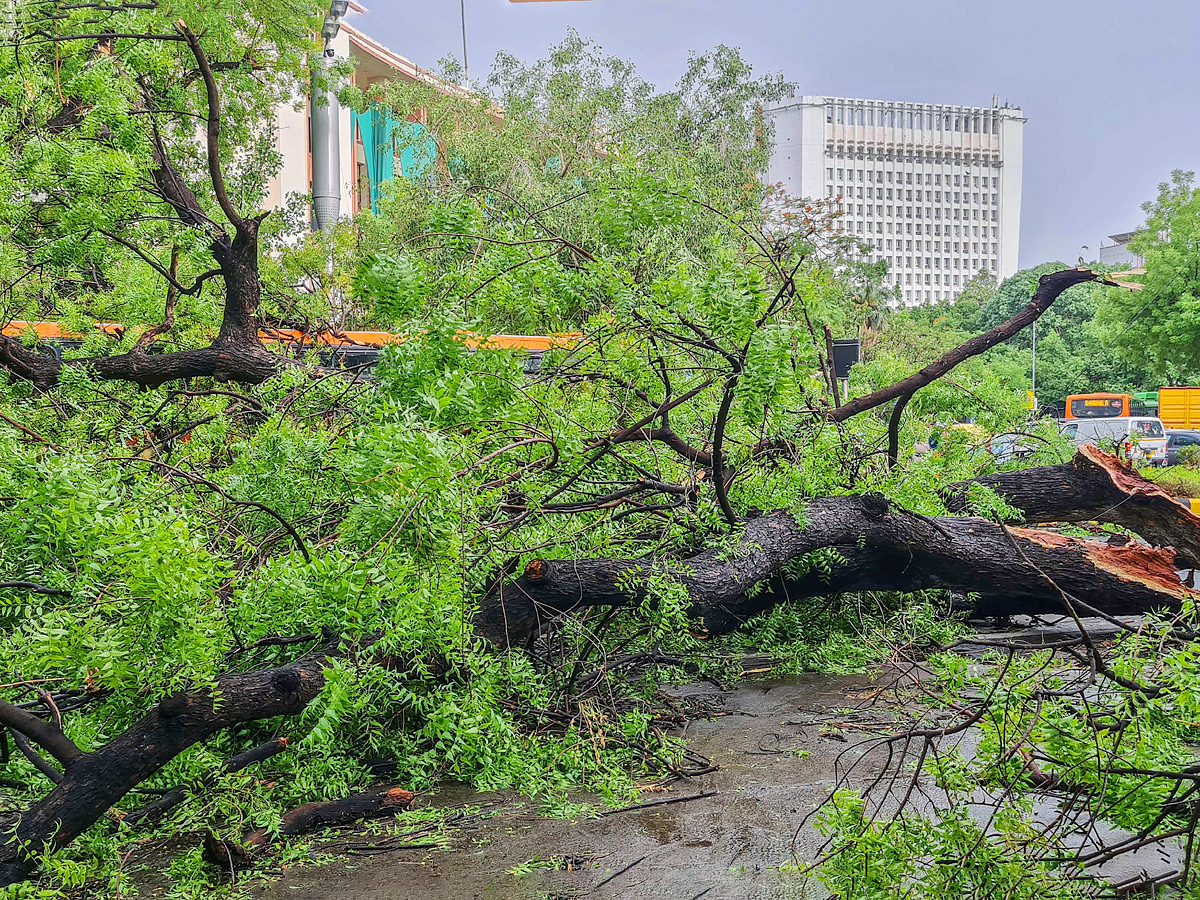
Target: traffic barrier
x,y
350,349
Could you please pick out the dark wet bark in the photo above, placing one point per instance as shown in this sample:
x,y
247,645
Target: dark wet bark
x,y
94,782
1014,570
1095,486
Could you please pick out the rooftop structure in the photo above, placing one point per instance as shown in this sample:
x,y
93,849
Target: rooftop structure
x,y
1118,253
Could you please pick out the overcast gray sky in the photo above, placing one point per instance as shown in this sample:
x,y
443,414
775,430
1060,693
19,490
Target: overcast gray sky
x,y
1111,89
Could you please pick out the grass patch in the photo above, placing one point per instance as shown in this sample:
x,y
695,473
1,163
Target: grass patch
x,y
1181,481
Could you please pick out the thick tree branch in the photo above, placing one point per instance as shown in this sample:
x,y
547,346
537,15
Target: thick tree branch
x,y
94,782
1048,290
252,364
45,734
213,128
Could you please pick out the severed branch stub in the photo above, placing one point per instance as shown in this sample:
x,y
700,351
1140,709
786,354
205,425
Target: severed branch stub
x,y
370,804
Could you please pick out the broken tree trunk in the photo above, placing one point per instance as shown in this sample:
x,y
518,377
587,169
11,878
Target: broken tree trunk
x,y
92,783
1094,486
883,548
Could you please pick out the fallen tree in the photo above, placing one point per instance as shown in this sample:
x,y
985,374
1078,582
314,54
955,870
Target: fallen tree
x,y
694,388
1094,486
885,548
879,546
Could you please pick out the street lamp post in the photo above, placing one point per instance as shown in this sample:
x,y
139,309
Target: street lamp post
x,y
323,117
462,11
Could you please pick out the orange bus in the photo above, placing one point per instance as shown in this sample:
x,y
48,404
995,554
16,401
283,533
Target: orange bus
x,y
1099,406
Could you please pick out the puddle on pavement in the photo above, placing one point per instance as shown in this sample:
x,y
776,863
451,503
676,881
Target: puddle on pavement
x,y
776,765
778,744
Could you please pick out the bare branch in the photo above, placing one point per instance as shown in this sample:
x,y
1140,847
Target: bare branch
x,y
213,128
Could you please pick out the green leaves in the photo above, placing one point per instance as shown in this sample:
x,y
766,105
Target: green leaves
x,y
399,285
1158,327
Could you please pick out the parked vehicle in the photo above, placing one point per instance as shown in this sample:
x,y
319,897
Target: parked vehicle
x,y
1177,439
1138,438
1179,407
1009,446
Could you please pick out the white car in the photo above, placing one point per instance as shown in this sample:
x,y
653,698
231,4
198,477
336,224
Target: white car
x,y
1140,439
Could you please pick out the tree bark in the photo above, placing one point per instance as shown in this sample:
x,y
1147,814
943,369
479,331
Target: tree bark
x,y
1013,570
369,804
94,782
1094,486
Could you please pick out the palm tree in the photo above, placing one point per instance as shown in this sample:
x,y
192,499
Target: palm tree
x,y
872,307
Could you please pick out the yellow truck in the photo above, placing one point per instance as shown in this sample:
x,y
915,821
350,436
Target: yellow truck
x,y
1179,407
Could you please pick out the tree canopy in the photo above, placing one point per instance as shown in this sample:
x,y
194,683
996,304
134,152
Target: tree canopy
x,y
1156,330
245,594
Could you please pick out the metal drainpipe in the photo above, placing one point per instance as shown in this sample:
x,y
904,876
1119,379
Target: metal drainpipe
x,y
323,118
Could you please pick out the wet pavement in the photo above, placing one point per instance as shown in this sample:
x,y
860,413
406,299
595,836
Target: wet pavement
x,y
742,832
729,841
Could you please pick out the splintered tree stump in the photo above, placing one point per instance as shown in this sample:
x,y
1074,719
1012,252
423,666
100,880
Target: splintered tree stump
x,y
1094,486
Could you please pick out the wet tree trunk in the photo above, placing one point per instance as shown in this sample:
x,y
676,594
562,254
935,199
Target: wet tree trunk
x,y
1012,569
1094,486
92,783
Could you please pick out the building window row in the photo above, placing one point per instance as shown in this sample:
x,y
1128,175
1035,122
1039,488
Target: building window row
x,y
936,230
907,195
975,121
933,179
931,156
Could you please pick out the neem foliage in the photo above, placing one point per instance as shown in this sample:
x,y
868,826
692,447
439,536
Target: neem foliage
x,y
88,91
410,491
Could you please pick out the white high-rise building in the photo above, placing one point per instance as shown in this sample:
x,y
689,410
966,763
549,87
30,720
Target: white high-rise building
x,y
935,190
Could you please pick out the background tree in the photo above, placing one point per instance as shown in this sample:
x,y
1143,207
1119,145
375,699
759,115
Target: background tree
x,y
114,205
1156,330
1076,350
